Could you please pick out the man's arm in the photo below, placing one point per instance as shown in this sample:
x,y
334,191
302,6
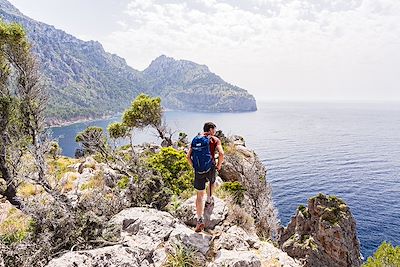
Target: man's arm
x,y
189,157
220,155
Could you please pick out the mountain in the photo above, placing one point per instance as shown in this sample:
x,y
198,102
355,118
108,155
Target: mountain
x,y
186,85
86,82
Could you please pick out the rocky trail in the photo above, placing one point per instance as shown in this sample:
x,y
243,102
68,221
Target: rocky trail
x,y
147,237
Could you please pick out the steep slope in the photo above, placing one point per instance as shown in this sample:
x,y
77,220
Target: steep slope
x,y
86,82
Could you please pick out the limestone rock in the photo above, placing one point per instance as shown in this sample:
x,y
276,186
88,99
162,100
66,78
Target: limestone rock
x,y
236,259
183,235
243,165
230,241
152,223
251,238
187,212
147,236
109,256
273,256
324,234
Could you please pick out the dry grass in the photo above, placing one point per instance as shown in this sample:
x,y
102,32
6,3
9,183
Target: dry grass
x,y
68,181
97,181
60,165
238,216
26,190
14,226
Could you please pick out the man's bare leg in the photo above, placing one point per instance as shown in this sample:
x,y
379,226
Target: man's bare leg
x,y
209,194
199,211
199,204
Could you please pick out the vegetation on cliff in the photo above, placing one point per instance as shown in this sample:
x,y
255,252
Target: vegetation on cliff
x,y
385,256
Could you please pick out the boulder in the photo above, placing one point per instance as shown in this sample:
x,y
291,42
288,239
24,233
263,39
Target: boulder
x,y
117,255
273,256
230,241
183,235
142,234
235,258
251,238
187,212
141,222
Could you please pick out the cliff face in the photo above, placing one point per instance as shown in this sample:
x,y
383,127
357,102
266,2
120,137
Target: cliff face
x,y
323,234
85,81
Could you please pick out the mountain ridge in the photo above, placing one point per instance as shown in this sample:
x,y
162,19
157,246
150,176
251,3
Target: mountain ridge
x,y
86,82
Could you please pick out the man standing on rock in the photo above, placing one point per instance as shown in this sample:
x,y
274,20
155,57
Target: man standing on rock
x,y
201,156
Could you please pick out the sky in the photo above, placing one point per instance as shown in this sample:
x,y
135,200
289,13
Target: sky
x,y
296,50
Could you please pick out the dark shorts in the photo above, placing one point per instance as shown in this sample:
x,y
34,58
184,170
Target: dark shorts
x,y
201,179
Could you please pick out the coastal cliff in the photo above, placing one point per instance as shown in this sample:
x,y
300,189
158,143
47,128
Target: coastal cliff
x,y
239,230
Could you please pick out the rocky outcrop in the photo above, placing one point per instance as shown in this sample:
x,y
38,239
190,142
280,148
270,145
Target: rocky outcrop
x,y
243,165
323,234
146,237
240,162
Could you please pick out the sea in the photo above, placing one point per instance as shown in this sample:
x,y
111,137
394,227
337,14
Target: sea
x,y
344,149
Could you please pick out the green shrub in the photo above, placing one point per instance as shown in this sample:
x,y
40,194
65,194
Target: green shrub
x,y
236,189
174,168
385,256
182,256
15,228
304,211
123,182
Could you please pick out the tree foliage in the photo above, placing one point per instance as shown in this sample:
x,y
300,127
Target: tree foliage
x,y
117,130
385,256
92,140
174,168
22,106
146,111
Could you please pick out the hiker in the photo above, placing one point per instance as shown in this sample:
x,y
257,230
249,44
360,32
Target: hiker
x,y
201,156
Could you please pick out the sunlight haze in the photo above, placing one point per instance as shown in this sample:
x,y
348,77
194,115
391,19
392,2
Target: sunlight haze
x,y
298,50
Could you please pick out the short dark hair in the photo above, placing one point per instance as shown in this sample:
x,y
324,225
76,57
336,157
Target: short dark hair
x,y
209,125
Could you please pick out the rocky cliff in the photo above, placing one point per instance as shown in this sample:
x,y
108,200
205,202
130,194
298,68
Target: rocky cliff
x,y
86,82
323,234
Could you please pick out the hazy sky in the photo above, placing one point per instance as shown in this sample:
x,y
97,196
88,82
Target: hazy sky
x,y
276,49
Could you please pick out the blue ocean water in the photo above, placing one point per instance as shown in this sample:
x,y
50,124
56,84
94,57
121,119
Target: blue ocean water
x,y
349,150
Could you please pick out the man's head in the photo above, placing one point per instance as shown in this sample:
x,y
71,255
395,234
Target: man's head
x,y
209,127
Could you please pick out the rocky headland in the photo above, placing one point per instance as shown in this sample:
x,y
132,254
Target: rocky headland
x,y
245,234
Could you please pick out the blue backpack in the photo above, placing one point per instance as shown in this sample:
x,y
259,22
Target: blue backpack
x,y
201,155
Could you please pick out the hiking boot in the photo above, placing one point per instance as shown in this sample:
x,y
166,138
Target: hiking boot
x,y
200,225
209,204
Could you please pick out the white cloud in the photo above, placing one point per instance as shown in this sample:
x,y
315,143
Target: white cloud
x,y
298,49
